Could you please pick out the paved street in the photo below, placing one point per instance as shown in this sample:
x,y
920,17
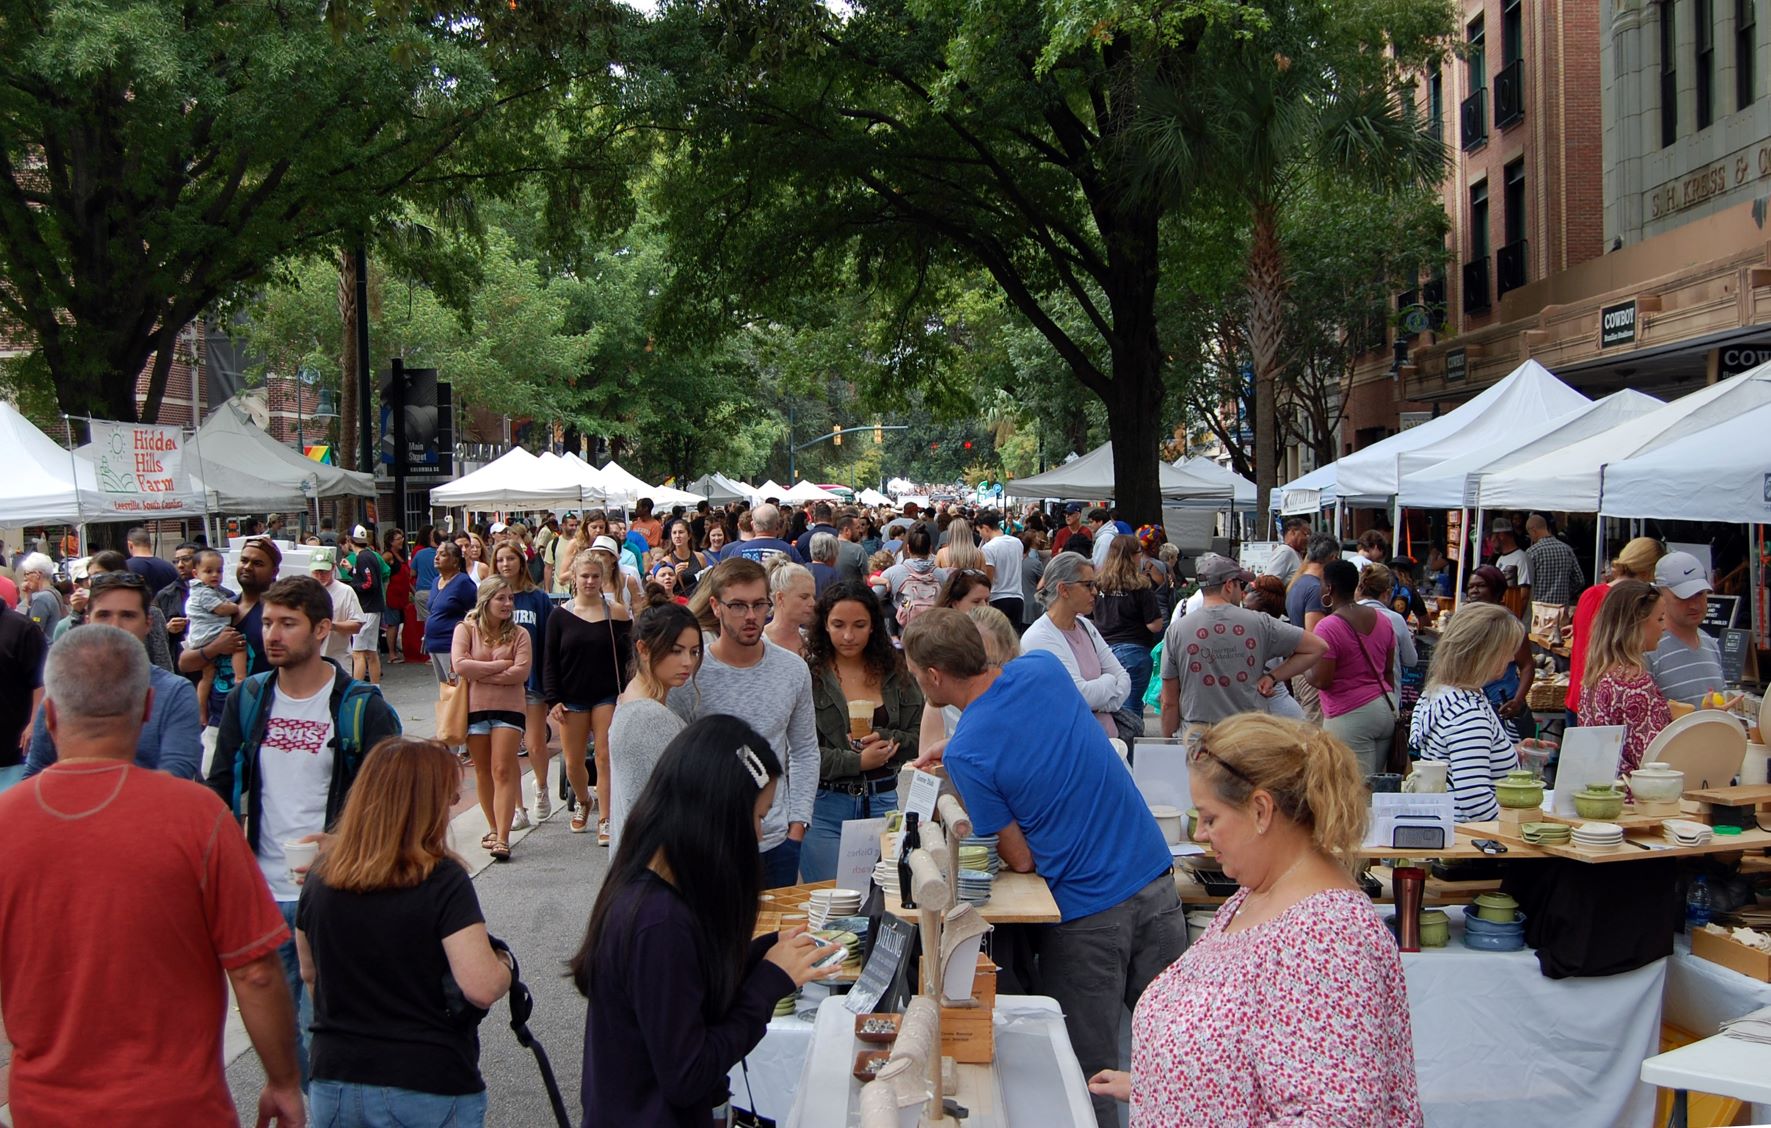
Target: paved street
x,y
538,903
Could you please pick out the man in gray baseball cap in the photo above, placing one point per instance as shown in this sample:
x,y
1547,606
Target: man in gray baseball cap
x,y
1687,664
1215,660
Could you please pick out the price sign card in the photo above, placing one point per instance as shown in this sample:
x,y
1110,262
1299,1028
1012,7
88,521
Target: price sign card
x,y
924,790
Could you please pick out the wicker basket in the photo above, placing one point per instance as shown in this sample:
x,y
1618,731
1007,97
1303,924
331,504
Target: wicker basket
x,y
1548,694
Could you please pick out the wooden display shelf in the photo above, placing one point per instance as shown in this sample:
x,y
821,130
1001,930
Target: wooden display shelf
x,y
1629,820
1662,848
1015,898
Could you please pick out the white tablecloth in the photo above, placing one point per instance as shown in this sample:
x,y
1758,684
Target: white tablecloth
x,y
1496,1043
1701,995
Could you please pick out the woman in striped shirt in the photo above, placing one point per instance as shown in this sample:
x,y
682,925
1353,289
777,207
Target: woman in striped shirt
x,y
1454,722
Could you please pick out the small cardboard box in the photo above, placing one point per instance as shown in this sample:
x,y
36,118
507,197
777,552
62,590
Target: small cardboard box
x,y
967,1033
1731,953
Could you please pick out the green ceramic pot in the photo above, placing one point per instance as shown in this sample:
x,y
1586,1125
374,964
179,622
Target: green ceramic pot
x,y
1520,790
1598,802
1435,929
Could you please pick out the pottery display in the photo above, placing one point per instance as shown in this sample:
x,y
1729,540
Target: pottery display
x,y
1521,790
1435,928
1656,783
1600,801
1170,820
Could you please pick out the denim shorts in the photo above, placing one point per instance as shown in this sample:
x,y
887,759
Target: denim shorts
x,y
530,697
570,708
484,728
339,1104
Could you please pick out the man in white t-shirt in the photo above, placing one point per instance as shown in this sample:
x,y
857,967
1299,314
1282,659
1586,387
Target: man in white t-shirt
x,y
1004,555
347,612
1512,561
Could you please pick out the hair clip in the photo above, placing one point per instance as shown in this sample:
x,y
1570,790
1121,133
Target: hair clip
x,y
754,765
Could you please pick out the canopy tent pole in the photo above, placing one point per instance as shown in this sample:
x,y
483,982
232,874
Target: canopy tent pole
x,y
1463,547
1476,545
1599,561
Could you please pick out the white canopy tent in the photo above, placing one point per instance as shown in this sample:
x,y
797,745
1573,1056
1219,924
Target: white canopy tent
x,y
515,479
663,497
873,497
803,492
718,488
226,490
1091,476
1718,474
1450,484
229,442
588,477
1242,490
620,487
1572,478
41,484
768,489
1308,494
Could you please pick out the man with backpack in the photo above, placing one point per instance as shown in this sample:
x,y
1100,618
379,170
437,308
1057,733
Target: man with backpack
x,y
912,585
290,743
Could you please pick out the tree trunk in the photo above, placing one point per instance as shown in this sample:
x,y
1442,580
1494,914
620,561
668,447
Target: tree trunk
x,y
346,450
165,349
1266,328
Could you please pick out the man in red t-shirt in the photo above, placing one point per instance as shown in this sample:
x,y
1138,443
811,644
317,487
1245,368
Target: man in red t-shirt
x,y
128,902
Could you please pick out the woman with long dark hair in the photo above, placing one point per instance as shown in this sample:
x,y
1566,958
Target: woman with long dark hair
x,y
680,553
385,913
399,592
853,660
679,991
666,654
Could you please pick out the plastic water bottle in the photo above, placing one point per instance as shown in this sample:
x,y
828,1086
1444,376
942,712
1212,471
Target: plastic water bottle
x,y
1698,904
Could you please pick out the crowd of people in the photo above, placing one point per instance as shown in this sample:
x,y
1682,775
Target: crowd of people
x,y
706,675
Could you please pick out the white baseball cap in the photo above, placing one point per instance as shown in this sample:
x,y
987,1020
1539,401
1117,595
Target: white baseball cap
x,y
498,527
360,534
1682,574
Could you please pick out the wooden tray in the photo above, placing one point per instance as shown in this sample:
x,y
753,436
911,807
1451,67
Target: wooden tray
x,y
1629,820
1747,796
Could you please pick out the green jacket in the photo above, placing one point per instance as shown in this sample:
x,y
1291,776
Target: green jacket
x,y
838,762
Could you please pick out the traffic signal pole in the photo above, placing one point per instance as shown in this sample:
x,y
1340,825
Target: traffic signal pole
x,y
836,434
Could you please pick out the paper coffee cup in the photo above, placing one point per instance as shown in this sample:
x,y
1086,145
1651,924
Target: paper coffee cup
x,y
299,855
860,718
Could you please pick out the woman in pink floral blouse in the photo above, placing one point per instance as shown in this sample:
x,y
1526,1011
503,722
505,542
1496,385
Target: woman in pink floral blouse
x,y
1291,1009
1617,688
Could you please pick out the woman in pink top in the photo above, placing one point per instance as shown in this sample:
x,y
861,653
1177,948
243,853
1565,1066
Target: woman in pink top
x,y
491,656
1619,690
1353,677
1291,1009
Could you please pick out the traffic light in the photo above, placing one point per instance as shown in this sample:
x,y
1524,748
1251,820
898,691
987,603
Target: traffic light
x,y
968,444
836,434
934,446
878,434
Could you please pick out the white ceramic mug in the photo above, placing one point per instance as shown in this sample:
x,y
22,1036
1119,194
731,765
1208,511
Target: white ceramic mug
x,y
1427,778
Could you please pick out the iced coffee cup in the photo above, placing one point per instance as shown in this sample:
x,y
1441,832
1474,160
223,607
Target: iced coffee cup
x,y
860,718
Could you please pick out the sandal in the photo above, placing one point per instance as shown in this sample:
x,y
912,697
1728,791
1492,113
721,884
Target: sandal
x,y
501,851
580,820
488,840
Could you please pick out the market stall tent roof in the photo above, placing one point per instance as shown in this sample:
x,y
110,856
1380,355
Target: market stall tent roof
x,y
717,488
1091,476
620,487
1722,473
1306,494
1528,394
768,489
803,492
226,490
1242,490
1451,483
873,497
663,497
41,480
515,479
227,440
1572,478
588,477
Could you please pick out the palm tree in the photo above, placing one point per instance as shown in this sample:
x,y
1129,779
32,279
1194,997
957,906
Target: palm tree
x,y
1317,89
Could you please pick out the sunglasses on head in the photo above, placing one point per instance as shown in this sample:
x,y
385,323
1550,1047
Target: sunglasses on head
x,y
1202,752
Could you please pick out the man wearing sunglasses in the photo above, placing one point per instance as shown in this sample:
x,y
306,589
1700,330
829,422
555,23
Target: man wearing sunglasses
x,y
1215,660
171,741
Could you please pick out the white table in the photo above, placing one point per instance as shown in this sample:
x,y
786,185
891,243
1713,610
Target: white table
x,y
1041,1080
1496,1043
1727,1067
1702,994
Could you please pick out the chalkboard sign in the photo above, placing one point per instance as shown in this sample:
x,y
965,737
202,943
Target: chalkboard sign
x,y
883,977
1736,647
1720,613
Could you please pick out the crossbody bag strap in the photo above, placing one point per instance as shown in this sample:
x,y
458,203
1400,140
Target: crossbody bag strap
x,y
1359,641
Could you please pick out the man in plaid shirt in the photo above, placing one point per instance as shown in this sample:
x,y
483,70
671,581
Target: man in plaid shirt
x,y
1555,573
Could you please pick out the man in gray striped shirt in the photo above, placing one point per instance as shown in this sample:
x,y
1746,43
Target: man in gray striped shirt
x,y
1687,664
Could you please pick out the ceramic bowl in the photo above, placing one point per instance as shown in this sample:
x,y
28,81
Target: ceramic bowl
x,y
1435,929
1483,942
1598,806
1171,820
1657,783
1513,923
1520,790
1496,907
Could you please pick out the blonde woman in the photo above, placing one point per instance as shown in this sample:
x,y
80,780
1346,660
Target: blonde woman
x,y
479,559
1292,1008
794,595
961,552
1635,562
583,673
1453,721
491,656
1619,689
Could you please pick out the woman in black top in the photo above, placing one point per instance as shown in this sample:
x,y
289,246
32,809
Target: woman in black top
x,y
386,913
1127,615
678,990
679,552
582,674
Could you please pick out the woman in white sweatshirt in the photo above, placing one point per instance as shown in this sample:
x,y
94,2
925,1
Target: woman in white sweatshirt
x,y
1067,592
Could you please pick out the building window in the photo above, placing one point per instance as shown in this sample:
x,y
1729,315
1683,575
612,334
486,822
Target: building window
x,y
1435,102
1669,76
1473,112
1476,59
1746,50
1476,283
1512,31
1706,62
1511,262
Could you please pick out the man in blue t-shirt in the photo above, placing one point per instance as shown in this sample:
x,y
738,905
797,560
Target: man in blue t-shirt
x,y
768,523
1064,805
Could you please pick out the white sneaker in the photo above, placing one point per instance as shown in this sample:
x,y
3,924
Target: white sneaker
x,y
543,806
521,821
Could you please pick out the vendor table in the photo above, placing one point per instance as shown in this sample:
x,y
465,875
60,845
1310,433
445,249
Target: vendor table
x,y
1495,1042
1729,1067
1035,1071
1702,994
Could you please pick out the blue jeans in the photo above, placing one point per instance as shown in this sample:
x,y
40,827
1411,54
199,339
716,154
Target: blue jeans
x,y
340,1104
781,865
1137,662
304,1003
817,860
